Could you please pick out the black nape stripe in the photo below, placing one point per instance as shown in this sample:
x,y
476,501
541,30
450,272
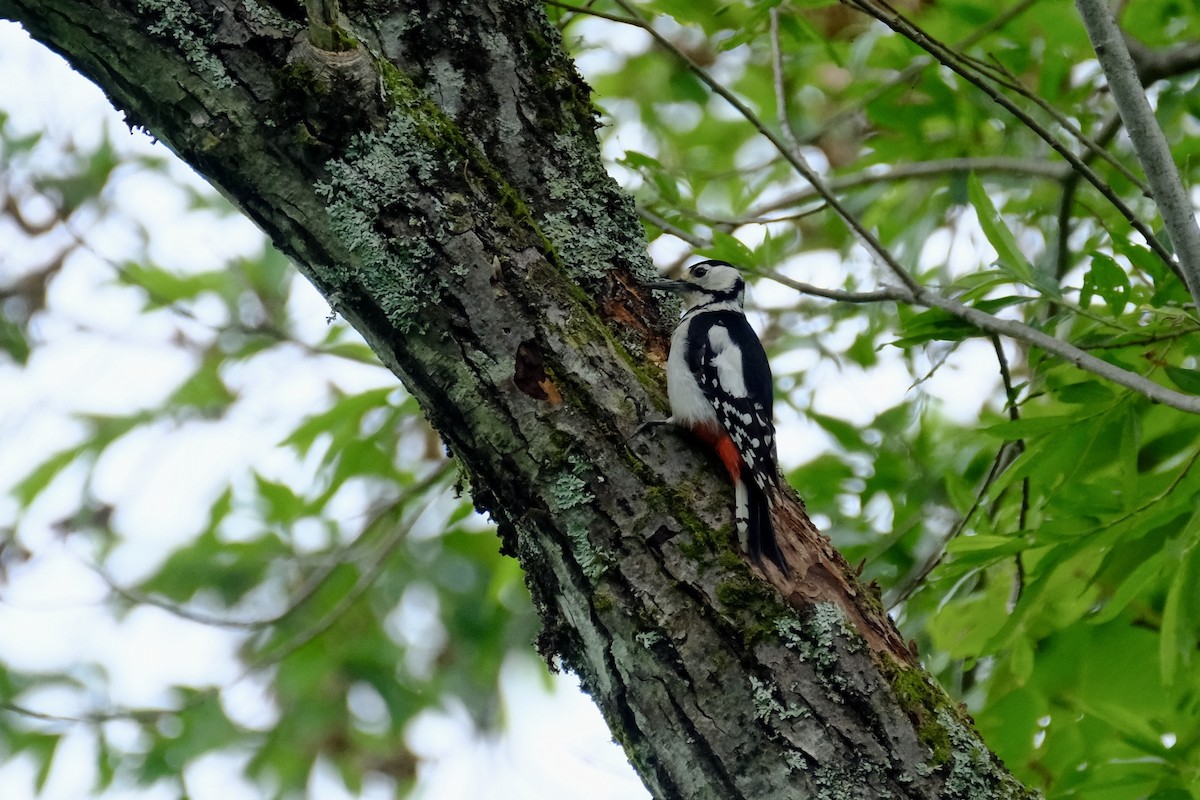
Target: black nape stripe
x,y
720,294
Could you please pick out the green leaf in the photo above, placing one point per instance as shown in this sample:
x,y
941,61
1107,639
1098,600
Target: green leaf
x,y
1132,587
13,341
1009,255
36,481
42,746
281,504
204,391
230,569
847,434
1108,281
1030,426
987,543
1186,379
342,421
165,288
729,248
1175,640
1085,393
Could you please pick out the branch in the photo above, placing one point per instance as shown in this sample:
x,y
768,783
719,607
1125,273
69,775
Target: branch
x,y
1001,165
913,292
674,230
995,72
792,156
1156,64
1149,143
314,582
916,66
883,295
900,24
781,104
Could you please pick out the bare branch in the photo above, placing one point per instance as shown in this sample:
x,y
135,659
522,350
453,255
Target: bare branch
x,y
674,230
1178,213
1156,64
781,104
1001,165
883,295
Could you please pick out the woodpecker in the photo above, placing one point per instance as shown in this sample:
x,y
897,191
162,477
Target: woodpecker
x,y
719,385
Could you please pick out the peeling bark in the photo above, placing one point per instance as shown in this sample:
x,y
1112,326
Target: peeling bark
x,y
438,179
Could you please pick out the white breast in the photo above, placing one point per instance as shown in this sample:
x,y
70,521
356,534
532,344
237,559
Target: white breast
x,y
689,406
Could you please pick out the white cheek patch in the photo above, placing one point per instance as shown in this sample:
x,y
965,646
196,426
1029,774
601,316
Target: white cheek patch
x,y
728,361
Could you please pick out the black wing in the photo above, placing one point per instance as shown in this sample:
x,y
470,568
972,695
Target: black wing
x,y
748,416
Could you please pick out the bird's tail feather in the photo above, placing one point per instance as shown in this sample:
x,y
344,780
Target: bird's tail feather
x,y
752,514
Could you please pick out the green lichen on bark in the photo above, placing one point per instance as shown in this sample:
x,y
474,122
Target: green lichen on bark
x,y
956,752
585,230
177,22
378,210
922,702
570,498
753,605
269,17
767,707
817,635
375,176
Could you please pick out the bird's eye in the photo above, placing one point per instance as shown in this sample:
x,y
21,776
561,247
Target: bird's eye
x,y
700,272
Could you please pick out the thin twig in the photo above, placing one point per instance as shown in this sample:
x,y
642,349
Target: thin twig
x,y
925,169
798,162
781,103
1091,149
378,562
917,65
1141,341
878,296
917,577
1004,458
889,16
306,592
1014,414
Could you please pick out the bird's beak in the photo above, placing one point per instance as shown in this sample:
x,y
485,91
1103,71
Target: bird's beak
x,y
669,286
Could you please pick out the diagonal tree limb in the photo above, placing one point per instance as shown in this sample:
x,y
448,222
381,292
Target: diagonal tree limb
x,y
1174,203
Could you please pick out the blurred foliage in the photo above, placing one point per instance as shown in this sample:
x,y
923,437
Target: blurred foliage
x,y
1040,546
355,579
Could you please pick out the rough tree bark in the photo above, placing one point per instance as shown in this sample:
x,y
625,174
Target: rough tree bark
x,y
432,168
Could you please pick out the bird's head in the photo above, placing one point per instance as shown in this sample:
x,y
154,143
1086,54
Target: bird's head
x,y
705,283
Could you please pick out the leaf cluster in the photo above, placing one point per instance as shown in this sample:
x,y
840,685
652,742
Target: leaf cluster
x,y
355,588
1031,522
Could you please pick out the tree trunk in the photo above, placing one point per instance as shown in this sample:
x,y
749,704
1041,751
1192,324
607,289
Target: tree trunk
x,y
432,168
